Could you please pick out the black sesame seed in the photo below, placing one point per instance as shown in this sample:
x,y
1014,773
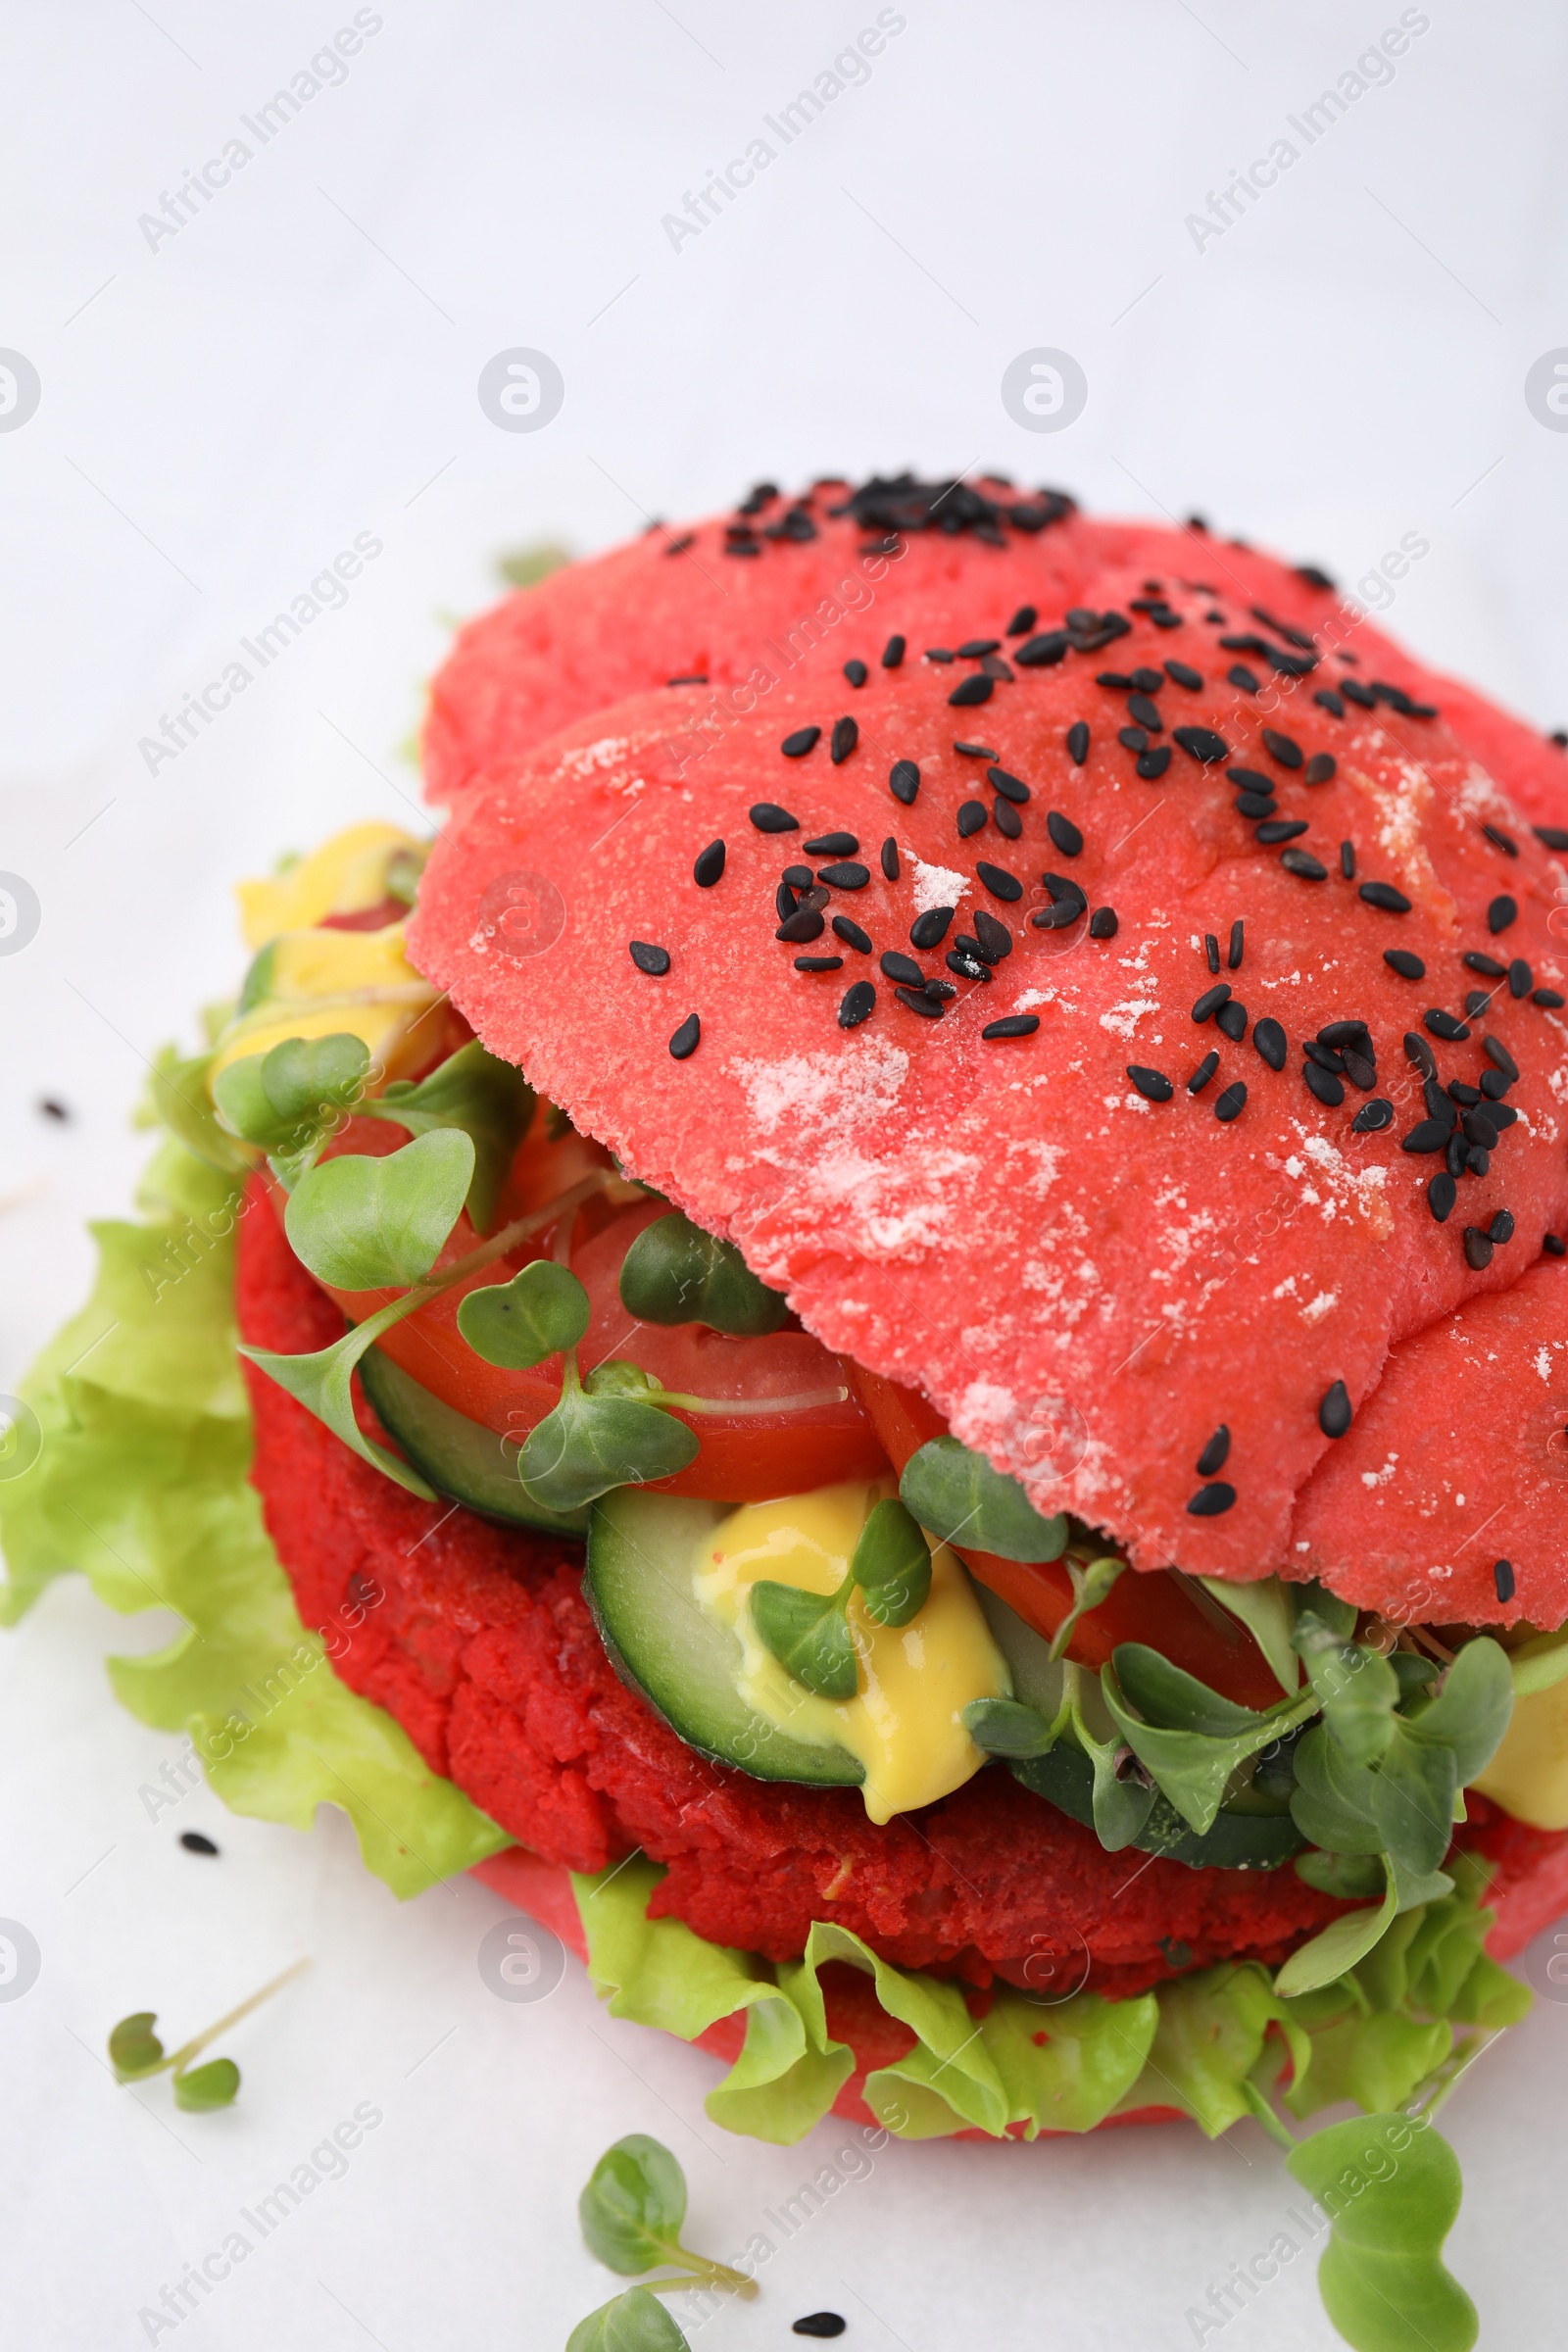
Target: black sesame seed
x,y
1153,1085
1103,923
1428,1135
928,930
857,672
846,735
1551,998
1215,1454
1328,700
971,817
1022,621
904,781
974,649
845,874
1232,962
1348,860
799,877
1360,1070
1494,1085
1442,1024
860,1002
1209,1503
1334,1412
1420,1053
1502,1579
1502,1227
1011,788
1372,1117
1323,1057
994,939
1009,823
1553,1244
939,653
1203,745
1232,1103
51,1109
1239,675
974,751
1346,1033
1144,712
831,845
1520,978
1078,742
1304,864
1203,1074
1476,1248
852,934
890,859
1183,674
819,2323
796,746
963,961
820,964
928,1007
1400,960
893,653
1120,681
1321,768
1501,839
710,865
1551,837
1476,1003
1504,1116
649,959
941,991
769,817
1281,747
1487,966
1059,915
196,1842
1153,765
1467,1097
1251,779
1211,951
902,969
1500,914
1231,1021
1253,804
1000,883
683,1045
1384,895
1284,828
1323,1084
970,690
1269,1039
1132,739
1442,1193
805,924
1498,1055
1066,837
1016,1024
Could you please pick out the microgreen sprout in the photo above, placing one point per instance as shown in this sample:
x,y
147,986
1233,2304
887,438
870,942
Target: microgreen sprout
x,y
631,2213
809,1632
135,2053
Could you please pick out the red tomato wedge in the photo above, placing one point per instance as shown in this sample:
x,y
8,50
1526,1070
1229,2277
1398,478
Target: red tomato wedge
x,y
747,1457
1151,1606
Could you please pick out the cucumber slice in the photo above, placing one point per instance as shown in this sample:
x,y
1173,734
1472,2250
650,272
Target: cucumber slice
x,y
458,1456
638,1584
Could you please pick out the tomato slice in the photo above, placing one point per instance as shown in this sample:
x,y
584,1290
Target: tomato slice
x,y
1149,1606
744,1458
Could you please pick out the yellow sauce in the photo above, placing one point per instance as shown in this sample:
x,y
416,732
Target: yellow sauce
x,y
345,876
906,1722
1528,1777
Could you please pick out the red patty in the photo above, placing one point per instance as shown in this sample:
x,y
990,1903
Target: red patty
x,y
483,1649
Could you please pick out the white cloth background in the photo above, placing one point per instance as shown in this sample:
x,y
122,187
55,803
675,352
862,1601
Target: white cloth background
x,y
222,408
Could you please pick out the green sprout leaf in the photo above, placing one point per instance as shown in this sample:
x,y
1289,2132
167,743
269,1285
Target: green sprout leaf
x,y
1392,2187
1006,1727
483,1097
593,1442
1332,1803
1471,1711
635,2321
1337,1947
1358,1689
808,1634
181,1101
1412,1800
323,1384
1089,1586
675,1273
541,1312
1354,1877
199,2089
1189,1740
892,1565
363,1224
956,1493
631,2214
1175,1700
289,1100
1265,1609
134,2049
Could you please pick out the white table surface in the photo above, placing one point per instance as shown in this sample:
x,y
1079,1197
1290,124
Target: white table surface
x,y
221,410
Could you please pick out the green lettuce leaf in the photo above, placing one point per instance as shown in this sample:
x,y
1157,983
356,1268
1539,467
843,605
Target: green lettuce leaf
x,y
141,1485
